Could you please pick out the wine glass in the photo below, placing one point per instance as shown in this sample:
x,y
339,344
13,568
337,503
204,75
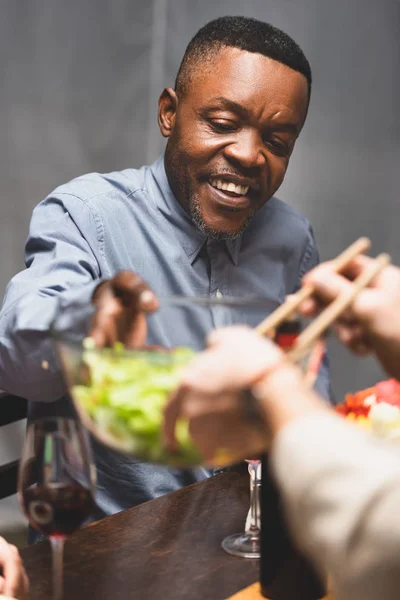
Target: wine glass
x,y
56,484
247,544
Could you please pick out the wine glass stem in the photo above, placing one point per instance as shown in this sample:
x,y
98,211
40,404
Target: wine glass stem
x,y
254,529
57,548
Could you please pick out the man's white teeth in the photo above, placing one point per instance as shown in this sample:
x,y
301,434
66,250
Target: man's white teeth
x,y
240,190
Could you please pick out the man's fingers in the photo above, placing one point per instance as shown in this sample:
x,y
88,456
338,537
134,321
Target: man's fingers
x,y
133,292
104,328
133,330
112,322
121,302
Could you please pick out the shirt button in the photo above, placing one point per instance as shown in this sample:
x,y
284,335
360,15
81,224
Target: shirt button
x,y
218,294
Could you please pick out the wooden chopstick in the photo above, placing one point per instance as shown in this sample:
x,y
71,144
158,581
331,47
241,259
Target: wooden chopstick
x,y
290,305
333,310
315,362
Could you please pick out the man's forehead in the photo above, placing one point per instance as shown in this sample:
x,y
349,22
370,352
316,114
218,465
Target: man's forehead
x,y
250,80
234,66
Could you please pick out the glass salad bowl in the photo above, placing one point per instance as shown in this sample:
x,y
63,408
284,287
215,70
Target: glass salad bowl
x,y
120,393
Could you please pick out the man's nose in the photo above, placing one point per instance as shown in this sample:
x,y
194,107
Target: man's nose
x,y
247,149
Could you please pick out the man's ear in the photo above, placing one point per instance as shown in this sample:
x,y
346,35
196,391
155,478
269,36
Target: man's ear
x,y
167,107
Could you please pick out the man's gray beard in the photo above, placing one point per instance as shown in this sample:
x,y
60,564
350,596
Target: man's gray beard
x,y
197,218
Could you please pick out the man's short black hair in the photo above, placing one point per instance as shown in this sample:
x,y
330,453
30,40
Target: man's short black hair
x,y
244,33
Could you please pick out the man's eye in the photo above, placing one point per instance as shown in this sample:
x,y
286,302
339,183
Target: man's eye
x,y
277,147
223,126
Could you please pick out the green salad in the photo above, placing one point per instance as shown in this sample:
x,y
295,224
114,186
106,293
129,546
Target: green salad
x,y
124,394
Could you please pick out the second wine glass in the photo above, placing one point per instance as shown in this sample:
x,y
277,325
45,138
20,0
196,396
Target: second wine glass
x,y
247,544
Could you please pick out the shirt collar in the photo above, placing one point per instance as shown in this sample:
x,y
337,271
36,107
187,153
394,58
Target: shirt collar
x,y
191,239
233,247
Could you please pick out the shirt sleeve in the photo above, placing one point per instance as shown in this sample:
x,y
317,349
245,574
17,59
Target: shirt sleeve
x,y
61,255
341,491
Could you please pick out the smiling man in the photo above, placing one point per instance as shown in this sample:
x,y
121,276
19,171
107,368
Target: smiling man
x,y
202,220
232,122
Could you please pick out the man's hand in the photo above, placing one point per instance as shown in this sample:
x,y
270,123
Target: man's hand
x,y
121,304
13,579
372,323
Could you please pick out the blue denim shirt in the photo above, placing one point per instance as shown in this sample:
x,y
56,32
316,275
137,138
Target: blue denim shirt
x,y
96,225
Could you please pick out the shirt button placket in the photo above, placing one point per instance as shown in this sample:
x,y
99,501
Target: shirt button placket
x,y
218,260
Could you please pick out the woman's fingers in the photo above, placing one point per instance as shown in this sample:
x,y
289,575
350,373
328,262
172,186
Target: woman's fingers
x,y
228,432
327,284
211,385
14,581
354,339
172,412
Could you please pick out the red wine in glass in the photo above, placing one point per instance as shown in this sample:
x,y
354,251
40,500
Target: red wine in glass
x,y
57,509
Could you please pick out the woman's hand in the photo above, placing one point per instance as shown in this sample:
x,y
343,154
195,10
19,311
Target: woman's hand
x,y
372,323
13,579
211,394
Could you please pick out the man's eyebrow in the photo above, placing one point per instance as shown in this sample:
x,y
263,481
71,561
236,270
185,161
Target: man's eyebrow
x,y
290,127
221,102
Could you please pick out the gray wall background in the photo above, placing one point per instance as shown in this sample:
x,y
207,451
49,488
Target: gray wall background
x,y
79,87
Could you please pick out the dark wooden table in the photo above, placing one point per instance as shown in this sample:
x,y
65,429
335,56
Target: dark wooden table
x,y
169,549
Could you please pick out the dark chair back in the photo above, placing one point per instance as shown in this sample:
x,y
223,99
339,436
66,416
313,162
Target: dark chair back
x,y
12,409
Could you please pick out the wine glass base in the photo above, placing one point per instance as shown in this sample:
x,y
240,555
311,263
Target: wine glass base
x,y
242,544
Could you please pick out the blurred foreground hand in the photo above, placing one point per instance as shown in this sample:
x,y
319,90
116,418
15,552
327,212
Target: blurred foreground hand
x,y
213,396
372,322
13,579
